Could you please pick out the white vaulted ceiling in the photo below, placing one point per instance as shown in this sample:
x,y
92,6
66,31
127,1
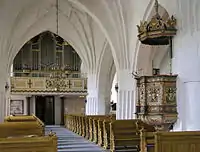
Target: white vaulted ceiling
x,y
27,18
88,25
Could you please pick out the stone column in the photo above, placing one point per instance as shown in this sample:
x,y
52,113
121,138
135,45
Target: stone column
x,y
2,100
91,105
2,106
126,95
186,63
104,103
96,101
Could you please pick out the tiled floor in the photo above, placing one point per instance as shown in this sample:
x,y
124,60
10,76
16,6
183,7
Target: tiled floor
x,y
71,142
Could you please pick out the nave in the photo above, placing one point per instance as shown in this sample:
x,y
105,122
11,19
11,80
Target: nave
x,y
71,142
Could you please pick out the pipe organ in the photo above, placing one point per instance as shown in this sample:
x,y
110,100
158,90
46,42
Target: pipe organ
x,y
45,52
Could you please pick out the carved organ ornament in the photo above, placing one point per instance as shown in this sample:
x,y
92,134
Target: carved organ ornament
x,y
156,103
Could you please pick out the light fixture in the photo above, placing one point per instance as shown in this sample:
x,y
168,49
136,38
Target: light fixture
x,y
116,87
7,86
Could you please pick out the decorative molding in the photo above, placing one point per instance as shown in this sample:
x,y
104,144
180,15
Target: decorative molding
x,y
156,103
47,85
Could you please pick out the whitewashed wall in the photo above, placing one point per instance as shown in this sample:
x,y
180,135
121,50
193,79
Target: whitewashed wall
x,y
74,105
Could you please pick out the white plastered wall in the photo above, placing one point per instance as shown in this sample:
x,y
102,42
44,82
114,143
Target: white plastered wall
x,y
74,105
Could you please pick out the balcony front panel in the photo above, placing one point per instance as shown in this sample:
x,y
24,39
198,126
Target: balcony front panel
x,y
48,85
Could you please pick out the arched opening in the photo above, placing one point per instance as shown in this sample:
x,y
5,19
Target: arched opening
x,y
46,79
114,94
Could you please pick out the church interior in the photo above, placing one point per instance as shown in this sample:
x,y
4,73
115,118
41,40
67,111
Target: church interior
x,y
99,76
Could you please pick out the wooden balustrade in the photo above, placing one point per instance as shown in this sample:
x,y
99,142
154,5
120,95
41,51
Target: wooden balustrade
x,y
46,84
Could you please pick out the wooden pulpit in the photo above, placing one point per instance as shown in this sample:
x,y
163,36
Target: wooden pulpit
x,y
156,103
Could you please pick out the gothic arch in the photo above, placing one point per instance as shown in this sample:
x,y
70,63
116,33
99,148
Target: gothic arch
x,y
106,72
69,30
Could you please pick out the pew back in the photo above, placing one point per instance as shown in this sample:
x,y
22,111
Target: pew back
x,y
23,118
9,129
29,144
177,141
124,134
19,118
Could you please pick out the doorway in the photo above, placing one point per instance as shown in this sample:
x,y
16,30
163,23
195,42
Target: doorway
x,y
45,109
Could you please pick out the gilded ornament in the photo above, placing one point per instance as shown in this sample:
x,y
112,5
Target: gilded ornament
x,y
157,31
157,100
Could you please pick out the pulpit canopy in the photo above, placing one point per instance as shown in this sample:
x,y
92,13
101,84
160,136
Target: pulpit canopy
x,y
157,31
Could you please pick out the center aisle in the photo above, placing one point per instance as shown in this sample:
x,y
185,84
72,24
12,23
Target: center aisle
x,y
71,142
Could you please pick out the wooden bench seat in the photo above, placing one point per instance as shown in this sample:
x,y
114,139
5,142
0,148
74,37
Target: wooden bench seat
x,y
124,134
29,144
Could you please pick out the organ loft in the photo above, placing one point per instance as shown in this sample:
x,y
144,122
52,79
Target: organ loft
x,y
99,76
46,77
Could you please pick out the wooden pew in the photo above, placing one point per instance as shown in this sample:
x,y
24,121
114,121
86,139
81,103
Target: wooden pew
x,y
19,118
25,118
188,141
29,144
93,130
124,134
20,128
87,127
97,128
104,131
147,141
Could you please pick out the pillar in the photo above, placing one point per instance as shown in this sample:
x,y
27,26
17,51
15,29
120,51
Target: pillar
x,y
126,95
187,66
2,100
28,100
96,104
96,101
186,63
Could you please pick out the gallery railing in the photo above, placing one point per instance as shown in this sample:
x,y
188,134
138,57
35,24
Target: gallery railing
x,y
48,82
53,73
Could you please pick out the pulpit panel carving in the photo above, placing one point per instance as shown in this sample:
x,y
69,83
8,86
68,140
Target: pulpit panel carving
x,y
170,94
157,100
154,94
